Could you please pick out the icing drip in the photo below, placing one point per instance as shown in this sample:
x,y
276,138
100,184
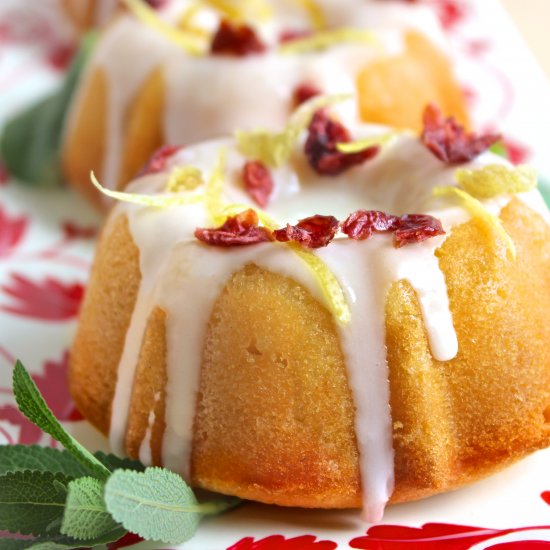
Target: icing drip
x,y
197,278
367,270
126,369
145,453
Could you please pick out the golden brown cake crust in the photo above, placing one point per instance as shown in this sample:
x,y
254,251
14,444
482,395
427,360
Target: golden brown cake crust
x,y
395,90
275,417
85,139
106,315
82,17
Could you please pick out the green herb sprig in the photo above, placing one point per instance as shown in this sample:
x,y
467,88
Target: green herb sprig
x,y
72,498
31,141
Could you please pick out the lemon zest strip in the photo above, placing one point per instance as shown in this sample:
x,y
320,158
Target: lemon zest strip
x,y
327,38
185,22
248,9
187,41
214,189
275,148
329,284
184,178
160,201
315,13
383,140
477,210
496,179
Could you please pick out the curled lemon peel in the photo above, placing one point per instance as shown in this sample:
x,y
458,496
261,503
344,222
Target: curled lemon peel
x,y
242,10
330,286
214,189
275,148
184,178
496,179
185,22
328,38
315,13
159,201
383,140
186,40
477,210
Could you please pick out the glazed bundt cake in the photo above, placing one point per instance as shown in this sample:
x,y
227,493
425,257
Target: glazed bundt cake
x,y
184,74
335,315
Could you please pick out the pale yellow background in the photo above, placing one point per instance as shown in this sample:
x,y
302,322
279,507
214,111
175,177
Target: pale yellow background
x,y
532,17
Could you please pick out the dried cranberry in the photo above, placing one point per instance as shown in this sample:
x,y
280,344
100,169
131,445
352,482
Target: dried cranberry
x,y
320,148
258,182
449,142
239,230
410,228
313,232
415,228
239,40
159,159
363,223
303,92
157,4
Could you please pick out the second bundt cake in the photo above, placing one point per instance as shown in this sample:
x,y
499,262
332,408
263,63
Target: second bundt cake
x,y
193,71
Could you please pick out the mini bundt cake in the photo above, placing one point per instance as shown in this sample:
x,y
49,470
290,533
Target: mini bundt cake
x,y
332,315
183,74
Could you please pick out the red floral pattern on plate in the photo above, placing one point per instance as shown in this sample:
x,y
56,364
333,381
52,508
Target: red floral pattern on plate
x,y
451,12
429,536
278,542
518,153
127,540
72,230
48,300
37,29
12,231
521,545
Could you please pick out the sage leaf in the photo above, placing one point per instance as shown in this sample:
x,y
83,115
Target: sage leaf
x,y
16,458
34,544
32,405
86,516
52,542
114,462
14,544
31,142
156,504
544,188
32,503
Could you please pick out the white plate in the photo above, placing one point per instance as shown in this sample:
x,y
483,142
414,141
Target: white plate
x,y
46,245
